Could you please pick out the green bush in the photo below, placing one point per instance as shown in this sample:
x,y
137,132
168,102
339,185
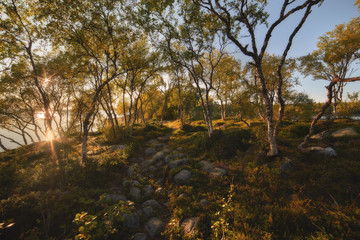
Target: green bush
x,y
118,157
189,128
299,129
115,136
151,131
225,144
108,223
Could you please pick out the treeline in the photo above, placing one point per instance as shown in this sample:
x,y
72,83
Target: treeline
x,y
68,65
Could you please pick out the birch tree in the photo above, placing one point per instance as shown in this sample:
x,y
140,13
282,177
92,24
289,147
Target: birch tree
x,y
240,19
337,52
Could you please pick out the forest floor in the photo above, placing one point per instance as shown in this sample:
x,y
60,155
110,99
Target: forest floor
x,y
167,183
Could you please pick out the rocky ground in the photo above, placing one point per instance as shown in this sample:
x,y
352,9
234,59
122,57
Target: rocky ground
x,y
157,165
146,184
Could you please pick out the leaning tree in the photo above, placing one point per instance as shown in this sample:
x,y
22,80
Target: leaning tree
x,y
337,52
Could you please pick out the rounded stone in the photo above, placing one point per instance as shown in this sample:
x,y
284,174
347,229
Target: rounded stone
x,y
154,226
140,236
182,177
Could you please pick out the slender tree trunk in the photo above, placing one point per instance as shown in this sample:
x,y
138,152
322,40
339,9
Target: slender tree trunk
x,y
335,115
23,136
86,128
239,115
164,108
142,112
84,143
11,140
81,124
223,110
124,108
209,120
112,106
319,115
207,113
181,111
27,134
108,113
89,115
67,112
269,114
2,146
136,113
36,132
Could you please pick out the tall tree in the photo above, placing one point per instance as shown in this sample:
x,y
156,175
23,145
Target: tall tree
x,y
142,66
97,33
337,51
191,39
227,78
22,35
240,19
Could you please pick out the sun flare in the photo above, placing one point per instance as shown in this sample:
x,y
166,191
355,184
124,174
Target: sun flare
x,y
40,115
50,136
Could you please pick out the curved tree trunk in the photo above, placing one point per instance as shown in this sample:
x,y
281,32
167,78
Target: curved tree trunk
x,y
325,106
2,146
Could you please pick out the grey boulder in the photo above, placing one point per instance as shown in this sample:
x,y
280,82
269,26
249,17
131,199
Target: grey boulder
x,y
183,177
154,226
148,190
178,163
135,193
158,156
217,172
140,236
150,151
206,166
345,132
132,220
115,197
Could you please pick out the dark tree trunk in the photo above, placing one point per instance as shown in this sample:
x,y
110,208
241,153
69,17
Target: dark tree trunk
x,y
2,146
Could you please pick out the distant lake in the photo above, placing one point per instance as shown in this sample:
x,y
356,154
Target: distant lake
x,y
10,145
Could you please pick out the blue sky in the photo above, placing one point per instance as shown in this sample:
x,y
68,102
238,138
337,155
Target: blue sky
x,y
321,20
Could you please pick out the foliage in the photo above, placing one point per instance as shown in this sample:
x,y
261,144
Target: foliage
x,y
42,197
189,128
300,106
221,227
341,42
224,144
337,52
107,223
115,135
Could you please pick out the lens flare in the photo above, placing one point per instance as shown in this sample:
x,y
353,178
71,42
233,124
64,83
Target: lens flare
x,y
40,115
50,136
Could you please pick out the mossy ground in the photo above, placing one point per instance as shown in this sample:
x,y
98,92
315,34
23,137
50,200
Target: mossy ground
x,y
317,198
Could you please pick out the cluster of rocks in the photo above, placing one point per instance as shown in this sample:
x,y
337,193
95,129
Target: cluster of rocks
x,y
329,151
150,197
345,132
214,172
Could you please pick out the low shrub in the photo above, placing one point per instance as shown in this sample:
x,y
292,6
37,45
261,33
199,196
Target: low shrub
x,y
108,223
299,129
115,135
225,144
189,128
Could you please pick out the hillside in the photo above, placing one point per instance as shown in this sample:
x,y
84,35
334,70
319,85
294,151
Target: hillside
x,y
165,183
